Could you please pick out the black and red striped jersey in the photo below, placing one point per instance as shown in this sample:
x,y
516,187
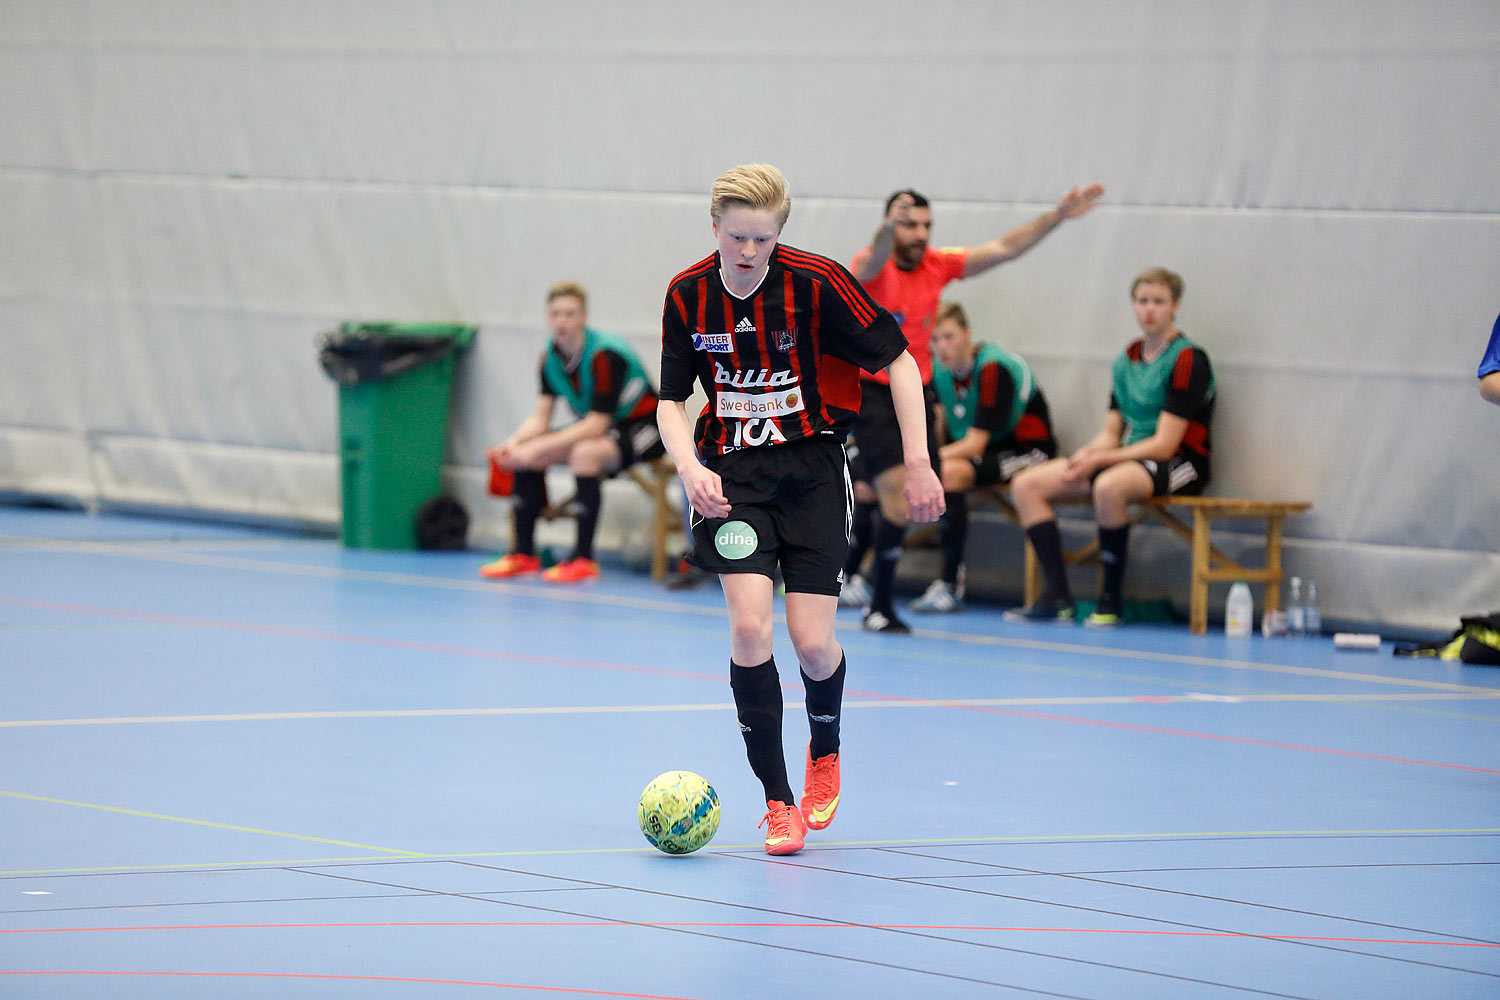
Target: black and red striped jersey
x,y
782,363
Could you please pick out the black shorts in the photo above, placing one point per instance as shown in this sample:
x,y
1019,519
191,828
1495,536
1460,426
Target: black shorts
x,y
1001,466
1180,475
877,433
790,504
638,441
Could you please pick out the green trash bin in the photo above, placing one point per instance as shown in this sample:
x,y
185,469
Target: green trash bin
x,y
395,381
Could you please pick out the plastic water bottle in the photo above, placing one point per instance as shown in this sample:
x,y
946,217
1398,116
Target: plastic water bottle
x,y
1312,614
1296,624
1239,610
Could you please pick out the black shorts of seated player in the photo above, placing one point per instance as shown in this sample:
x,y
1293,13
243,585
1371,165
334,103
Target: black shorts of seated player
x,y
1178,476
879,435
638,441
1001,465
780,515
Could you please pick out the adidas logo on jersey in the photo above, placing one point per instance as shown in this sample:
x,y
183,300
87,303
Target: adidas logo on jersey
x,y
745,326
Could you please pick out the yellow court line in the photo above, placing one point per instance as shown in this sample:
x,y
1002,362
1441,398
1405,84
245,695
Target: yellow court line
x,y
128,550
202,822
1198,661
977,841
1193,698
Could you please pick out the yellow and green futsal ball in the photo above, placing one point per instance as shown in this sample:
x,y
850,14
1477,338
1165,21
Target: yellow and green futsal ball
x,y
679,812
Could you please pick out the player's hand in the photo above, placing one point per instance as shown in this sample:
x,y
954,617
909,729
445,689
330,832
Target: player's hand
x,y
503,455
705,490
924,494
524,455
1082,464
1078,200
900,210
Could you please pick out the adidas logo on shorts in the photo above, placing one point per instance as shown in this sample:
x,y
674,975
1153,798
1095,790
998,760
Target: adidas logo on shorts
x,y
745,326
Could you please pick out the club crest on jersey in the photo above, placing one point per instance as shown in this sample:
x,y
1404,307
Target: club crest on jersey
x,y
764,378
786,340
716,343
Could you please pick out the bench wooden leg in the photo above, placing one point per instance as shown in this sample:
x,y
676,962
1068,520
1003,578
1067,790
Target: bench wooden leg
x,y
1273,562
1033,586
1198,610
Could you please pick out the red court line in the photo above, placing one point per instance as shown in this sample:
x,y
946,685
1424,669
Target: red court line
x,y
363,640
800,925
1244,740
316,975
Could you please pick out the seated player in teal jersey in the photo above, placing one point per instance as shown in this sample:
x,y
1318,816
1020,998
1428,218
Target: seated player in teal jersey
x,y
603,382
1154,442
994,424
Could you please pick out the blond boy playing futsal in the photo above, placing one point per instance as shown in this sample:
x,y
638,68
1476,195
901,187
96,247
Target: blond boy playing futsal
x,y
777,337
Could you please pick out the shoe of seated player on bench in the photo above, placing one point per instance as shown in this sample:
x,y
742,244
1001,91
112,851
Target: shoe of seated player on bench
x,y
687,577
511,565
885,622
855,593
939,599
1043,611
1106,614
572,571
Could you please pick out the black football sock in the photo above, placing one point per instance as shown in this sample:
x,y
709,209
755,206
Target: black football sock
x,y
859,537
530,496
589,502
1046,542
825,699
888,538
952,534
757,701
1114,544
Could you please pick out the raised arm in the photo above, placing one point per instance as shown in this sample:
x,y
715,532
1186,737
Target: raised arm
x,y
1013,244
885,238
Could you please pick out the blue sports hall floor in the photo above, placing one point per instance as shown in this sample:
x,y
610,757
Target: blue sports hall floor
x,y
241,763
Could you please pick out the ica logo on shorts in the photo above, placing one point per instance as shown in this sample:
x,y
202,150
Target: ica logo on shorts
x,y
736,540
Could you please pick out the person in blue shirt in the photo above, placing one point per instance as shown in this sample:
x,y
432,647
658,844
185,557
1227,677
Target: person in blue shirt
x,y
1489,367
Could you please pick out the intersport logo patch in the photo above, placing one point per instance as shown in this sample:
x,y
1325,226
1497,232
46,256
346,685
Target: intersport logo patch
x,y
716,343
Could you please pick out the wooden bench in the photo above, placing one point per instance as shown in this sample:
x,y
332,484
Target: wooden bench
x,y
655,478
1210,564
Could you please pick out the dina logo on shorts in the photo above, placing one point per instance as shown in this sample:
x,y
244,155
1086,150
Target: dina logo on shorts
x,y
736,540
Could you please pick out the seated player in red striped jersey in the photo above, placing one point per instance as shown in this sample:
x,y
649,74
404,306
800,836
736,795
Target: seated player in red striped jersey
x,y
602,380
777,338
1154,442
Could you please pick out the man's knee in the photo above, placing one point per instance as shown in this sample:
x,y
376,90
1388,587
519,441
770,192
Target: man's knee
x,y
890,490
1032,484
958,477
1117,488
592,456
